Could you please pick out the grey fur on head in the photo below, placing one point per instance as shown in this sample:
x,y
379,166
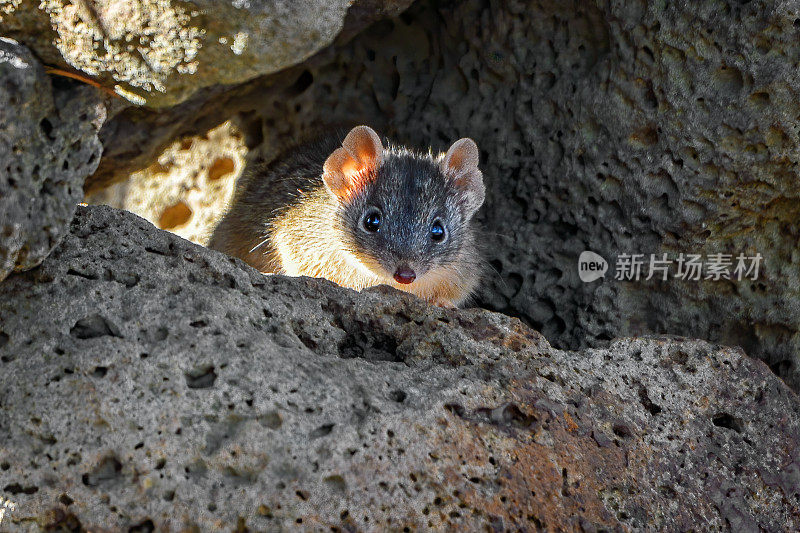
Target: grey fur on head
x,y
411,192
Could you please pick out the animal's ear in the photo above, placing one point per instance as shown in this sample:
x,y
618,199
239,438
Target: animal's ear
x,y
346,169
460,164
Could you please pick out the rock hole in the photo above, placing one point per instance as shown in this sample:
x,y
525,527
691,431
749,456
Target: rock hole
x,y
781,368
554,378
64,499
507,415
159,250
511,413
760,99
497,265
397,396
107,470
564,483
4,338
648,404
335,482
728,80
321,431
455,408
253,130
159,334
221,167
84,275
304,336
94,326
16,488
174,216
644,137
146,526
48,188
99,371
622,431
668,491
201,377
373,347
303,82
47,128
728,421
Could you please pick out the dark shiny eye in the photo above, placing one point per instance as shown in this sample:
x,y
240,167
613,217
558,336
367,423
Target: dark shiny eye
x,y
372,221
437,231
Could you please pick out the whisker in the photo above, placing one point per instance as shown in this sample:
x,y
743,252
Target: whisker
x,y
259,245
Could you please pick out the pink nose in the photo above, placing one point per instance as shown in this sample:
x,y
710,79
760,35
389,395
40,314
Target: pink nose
x,y
404,275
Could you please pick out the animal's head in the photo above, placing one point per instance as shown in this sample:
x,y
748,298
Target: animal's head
x,y
405,215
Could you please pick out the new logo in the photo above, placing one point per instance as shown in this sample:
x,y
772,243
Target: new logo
x,y
591,266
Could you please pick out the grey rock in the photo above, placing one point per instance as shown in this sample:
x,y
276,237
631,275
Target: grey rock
x,y
164,52
146,382
48,145
618,127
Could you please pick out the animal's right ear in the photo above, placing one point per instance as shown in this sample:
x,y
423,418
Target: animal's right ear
x,y
348,169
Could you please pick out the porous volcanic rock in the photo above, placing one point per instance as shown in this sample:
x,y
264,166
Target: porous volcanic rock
x,y
163,52
48,145
618,127
147,382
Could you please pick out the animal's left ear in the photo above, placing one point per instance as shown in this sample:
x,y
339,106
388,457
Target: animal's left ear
x,y
460,164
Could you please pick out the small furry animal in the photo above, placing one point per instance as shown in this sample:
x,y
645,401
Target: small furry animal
x,y
361,214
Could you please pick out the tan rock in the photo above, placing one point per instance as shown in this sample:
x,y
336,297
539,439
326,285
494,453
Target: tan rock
x,y
188,188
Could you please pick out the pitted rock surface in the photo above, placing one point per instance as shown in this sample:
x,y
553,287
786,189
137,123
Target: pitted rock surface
x,y
617,127
48,145
161,52
146,382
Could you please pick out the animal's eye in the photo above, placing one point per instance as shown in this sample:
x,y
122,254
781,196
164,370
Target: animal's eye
x,y
372,221
437,232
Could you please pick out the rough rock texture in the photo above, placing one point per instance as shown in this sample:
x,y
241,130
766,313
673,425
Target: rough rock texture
x,y
165,51
619,127
147,382
48,145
